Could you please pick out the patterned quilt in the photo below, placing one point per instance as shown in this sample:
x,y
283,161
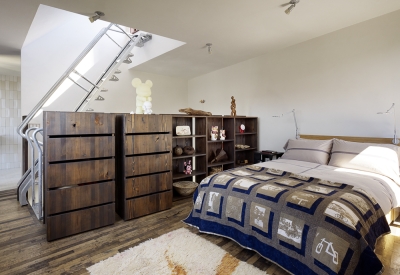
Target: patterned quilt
x,y
304,224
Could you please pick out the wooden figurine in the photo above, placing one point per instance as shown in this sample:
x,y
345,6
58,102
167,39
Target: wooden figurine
x,y
233,106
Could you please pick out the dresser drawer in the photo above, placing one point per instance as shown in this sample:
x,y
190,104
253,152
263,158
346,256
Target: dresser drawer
x,y
148,123
139,165
72,173
67,199
74,123
74,148
148,184
152,143
67,224
148,204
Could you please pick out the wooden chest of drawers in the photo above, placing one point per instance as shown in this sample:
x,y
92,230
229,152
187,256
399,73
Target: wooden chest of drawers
x,y
79,172
143,164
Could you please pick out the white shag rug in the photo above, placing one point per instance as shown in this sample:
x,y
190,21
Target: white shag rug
x,y
179,252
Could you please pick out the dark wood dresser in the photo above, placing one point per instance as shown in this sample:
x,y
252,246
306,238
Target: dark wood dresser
x,y
79,172
143,164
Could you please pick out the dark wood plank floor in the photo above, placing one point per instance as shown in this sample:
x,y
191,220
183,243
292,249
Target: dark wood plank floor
x,y
24,249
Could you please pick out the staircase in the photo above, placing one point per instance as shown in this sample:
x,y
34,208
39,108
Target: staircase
x,y
30,186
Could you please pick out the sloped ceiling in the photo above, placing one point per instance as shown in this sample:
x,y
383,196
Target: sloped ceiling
x,y
239,30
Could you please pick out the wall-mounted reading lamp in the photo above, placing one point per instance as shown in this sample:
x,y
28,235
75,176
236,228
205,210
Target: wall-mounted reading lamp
x,y
295,122
395,139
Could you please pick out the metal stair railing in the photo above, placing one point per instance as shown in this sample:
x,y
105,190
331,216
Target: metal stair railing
x,y
29,177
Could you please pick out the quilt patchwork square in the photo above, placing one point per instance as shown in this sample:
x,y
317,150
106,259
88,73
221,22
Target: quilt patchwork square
x,y
235,210
271,192
330,252
292,233
214,204
303,201
261,219
320,190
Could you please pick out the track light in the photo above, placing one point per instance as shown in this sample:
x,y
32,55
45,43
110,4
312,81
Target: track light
x,y
97,15
288,10
127,60
209,45
114,78
99,98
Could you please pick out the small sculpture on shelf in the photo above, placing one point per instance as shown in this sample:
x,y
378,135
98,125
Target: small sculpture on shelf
x,y
178,150
187,167
233,106
222,134
147,108
241,128
191,111
214,132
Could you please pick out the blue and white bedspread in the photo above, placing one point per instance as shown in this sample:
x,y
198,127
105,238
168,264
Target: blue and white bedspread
x,y
304,224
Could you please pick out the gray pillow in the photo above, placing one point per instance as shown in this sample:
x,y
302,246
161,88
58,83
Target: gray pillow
x,y
370,157
316,151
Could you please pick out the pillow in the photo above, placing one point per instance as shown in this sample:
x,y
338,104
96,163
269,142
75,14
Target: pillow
x,y
316,151
370,157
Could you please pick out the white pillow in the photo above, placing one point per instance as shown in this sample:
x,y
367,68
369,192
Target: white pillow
x,y
381,159
316,151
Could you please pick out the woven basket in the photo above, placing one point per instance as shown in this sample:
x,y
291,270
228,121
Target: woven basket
x,y
185,188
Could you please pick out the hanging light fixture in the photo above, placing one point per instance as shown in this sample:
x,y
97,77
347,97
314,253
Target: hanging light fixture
x,y
209,49
97,15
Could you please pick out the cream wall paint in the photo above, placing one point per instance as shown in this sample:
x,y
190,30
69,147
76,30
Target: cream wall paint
x,y
337,83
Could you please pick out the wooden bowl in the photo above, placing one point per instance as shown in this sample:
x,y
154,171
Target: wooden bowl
x,y
185,188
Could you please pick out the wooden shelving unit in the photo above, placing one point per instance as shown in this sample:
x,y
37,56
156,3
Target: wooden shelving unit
x,y
197,140
79,172
249,137
143,164
200,139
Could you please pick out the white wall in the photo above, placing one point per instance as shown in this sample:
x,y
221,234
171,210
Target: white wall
x,y
168,93
337,83
48,56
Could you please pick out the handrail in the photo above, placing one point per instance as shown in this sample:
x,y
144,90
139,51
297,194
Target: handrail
x,y
38,106
30,142
40,171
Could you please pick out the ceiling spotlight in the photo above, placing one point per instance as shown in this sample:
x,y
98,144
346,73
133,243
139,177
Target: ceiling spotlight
x,y
292,4
117,71
89,110
99,98
97,15
130,54
127,60
209,45
104,90
288,10
114,78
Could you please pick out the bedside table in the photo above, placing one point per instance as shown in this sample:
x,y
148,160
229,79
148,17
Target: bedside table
x,y
260,156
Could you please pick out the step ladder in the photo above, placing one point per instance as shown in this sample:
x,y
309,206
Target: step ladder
x,y
30,186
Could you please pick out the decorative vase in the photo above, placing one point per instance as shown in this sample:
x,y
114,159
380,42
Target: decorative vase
x,y
178,150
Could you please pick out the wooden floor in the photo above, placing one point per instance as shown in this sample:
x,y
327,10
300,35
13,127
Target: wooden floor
x,y
24,249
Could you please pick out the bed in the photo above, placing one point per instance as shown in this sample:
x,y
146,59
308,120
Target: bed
x,y
317,210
